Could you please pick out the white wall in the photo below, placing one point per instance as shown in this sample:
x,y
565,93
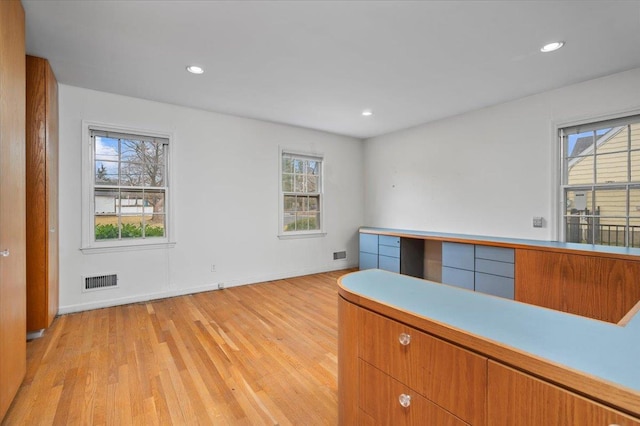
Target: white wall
x,y
225,212
486,172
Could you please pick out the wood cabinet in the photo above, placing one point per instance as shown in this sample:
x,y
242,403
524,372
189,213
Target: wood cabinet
x,y
592,281
382,360
42,193
596,287
518,398
447,375
13,356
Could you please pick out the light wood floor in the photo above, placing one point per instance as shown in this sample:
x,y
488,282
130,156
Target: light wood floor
x,y
257,354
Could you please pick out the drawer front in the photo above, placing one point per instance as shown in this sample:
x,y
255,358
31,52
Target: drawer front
x,y
500,254
368,261
496,268
386,240
427,365
458,277
379,402
391,264
369,243
495,285
457,255
389,251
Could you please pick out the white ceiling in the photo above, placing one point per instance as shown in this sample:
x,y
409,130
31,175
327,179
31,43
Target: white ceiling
x,y
318,64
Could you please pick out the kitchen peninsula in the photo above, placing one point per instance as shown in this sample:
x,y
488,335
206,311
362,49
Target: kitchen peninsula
x,y
413,351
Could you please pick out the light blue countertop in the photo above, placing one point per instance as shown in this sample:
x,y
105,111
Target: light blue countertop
x,y
627,251
597,348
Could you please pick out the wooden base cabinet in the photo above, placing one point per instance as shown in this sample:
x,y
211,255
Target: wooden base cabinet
x,y
382,361
42,194
515,398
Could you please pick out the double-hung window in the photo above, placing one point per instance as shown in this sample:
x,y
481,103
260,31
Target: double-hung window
x,y
601,182
129,189
301,194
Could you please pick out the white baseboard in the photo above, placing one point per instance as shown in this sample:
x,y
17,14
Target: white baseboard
x,y
68,309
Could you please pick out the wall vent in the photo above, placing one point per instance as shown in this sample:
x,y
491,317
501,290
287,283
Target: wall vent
x,y
337,255
98,282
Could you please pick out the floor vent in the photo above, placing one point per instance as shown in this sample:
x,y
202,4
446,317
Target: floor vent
x,y
98,282
337,255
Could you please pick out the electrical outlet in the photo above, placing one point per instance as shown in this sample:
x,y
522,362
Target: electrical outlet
x,y
538,222
213,268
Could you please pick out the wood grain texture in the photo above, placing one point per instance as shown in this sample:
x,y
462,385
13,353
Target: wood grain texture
x,y
12,201
595,287
611,394
379,402
250,355
517,398
53,287
347,362
41,184
452,377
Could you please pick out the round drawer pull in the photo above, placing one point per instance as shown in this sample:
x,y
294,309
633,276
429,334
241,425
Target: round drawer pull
x,y
404,339
405,400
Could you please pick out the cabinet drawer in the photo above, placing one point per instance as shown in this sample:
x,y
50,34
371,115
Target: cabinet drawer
x,y
501,254
379,402
368,261
386,240
458,255
391,264
369,243
517,398
496,268
495,285
389,251
426,364
457,277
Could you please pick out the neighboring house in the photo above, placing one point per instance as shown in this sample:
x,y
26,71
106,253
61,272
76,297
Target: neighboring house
x,y
617,165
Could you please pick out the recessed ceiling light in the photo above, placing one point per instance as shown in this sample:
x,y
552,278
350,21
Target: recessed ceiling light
x,y
552,46
194,69
367,112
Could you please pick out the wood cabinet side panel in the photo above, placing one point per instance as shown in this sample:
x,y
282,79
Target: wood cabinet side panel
x,y
36,193
594,287
517,398
12,202
347,363
52,195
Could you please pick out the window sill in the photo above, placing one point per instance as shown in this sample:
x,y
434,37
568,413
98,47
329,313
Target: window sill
x,y
302,235
124,248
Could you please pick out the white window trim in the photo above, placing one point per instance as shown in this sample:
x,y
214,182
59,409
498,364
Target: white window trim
x,y
88,244
300,234
558,204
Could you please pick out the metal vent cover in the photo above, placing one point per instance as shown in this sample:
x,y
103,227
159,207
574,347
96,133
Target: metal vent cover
x,y
98,282
337,255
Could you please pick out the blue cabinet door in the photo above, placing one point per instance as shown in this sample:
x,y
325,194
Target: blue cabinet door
x,y
458,277
456,255
369,243
368,260
495,285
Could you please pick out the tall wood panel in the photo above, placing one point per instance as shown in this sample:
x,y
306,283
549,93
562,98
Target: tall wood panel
x,y
596,287
12,202
42,194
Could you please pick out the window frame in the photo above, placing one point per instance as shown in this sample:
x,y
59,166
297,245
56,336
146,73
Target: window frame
x,y
562,131
89,243
297,153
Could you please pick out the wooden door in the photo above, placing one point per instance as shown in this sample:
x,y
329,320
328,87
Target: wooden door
x,y
12,202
